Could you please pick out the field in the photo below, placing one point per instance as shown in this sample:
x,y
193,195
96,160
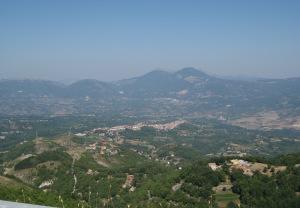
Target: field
x,y
223,198
268,120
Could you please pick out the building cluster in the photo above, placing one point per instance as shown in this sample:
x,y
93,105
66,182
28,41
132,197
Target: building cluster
x,y
242,165
135,127
129,183
214,166
103,147
248,168
4,134
109,140
46,184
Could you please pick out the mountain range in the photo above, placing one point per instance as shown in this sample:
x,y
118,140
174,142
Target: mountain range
x,y
188,92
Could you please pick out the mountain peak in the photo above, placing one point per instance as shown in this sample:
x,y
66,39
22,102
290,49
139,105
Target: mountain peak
x,y
84,81
156,73
190,71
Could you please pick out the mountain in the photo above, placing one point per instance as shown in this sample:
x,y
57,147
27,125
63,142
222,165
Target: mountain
x,y
189,74
30,88
155,83
187,92
91,88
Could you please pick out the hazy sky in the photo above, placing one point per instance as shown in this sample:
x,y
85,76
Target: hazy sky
x,y
110,40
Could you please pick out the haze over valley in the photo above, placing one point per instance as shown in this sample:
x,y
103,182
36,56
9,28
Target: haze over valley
x,y
186,93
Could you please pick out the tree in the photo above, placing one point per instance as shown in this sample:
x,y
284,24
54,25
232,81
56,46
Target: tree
x,y
232,205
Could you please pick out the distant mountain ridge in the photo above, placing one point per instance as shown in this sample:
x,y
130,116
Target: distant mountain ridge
x,y
187,91
157,80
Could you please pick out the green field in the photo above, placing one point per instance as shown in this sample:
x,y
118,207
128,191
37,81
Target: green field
x,y
224,198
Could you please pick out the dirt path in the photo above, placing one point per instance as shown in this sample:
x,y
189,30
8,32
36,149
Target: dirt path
x,y
74,176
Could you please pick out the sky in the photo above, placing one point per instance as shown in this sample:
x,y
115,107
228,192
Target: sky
x,y
115,39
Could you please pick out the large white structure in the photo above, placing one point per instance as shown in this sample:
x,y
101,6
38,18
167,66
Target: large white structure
x,y
7,204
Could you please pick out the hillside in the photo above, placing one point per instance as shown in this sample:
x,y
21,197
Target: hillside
x,y
68,171
66,161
